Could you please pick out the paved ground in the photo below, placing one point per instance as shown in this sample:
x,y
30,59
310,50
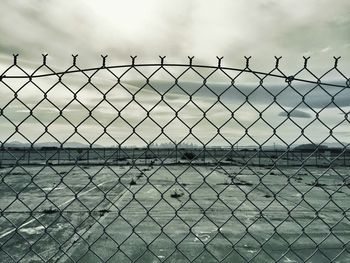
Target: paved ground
x,y
174,213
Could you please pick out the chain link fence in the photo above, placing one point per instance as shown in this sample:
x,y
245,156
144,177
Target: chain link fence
x,y
174,163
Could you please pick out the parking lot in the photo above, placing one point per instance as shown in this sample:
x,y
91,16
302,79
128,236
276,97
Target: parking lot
x,y
174,213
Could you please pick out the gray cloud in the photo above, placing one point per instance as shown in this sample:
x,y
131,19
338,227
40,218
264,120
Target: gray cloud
x,y
299,94
295,114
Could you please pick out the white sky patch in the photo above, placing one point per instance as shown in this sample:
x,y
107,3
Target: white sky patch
x,y
326,49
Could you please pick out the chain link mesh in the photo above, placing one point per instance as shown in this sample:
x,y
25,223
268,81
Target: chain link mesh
x,y
174,163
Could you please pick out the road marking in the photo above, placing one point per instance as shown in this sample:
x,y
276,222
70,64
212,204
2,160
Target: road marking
x,y
34,219
33,230
115,202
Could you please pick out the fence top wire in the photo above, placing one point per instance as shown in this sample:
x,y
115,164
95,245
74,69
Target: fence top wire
x,y
75,69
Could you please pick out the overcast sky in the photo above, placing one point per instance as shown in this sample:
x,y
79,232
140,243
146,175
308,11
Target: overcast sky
x,y
205,29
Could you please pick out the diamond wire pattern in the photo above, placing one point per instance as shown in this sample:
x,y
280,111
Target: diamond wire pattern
x,y
101,197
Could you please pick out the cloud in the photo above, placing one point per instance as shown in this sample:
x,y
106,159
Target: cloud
x,y
326,49
295,114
